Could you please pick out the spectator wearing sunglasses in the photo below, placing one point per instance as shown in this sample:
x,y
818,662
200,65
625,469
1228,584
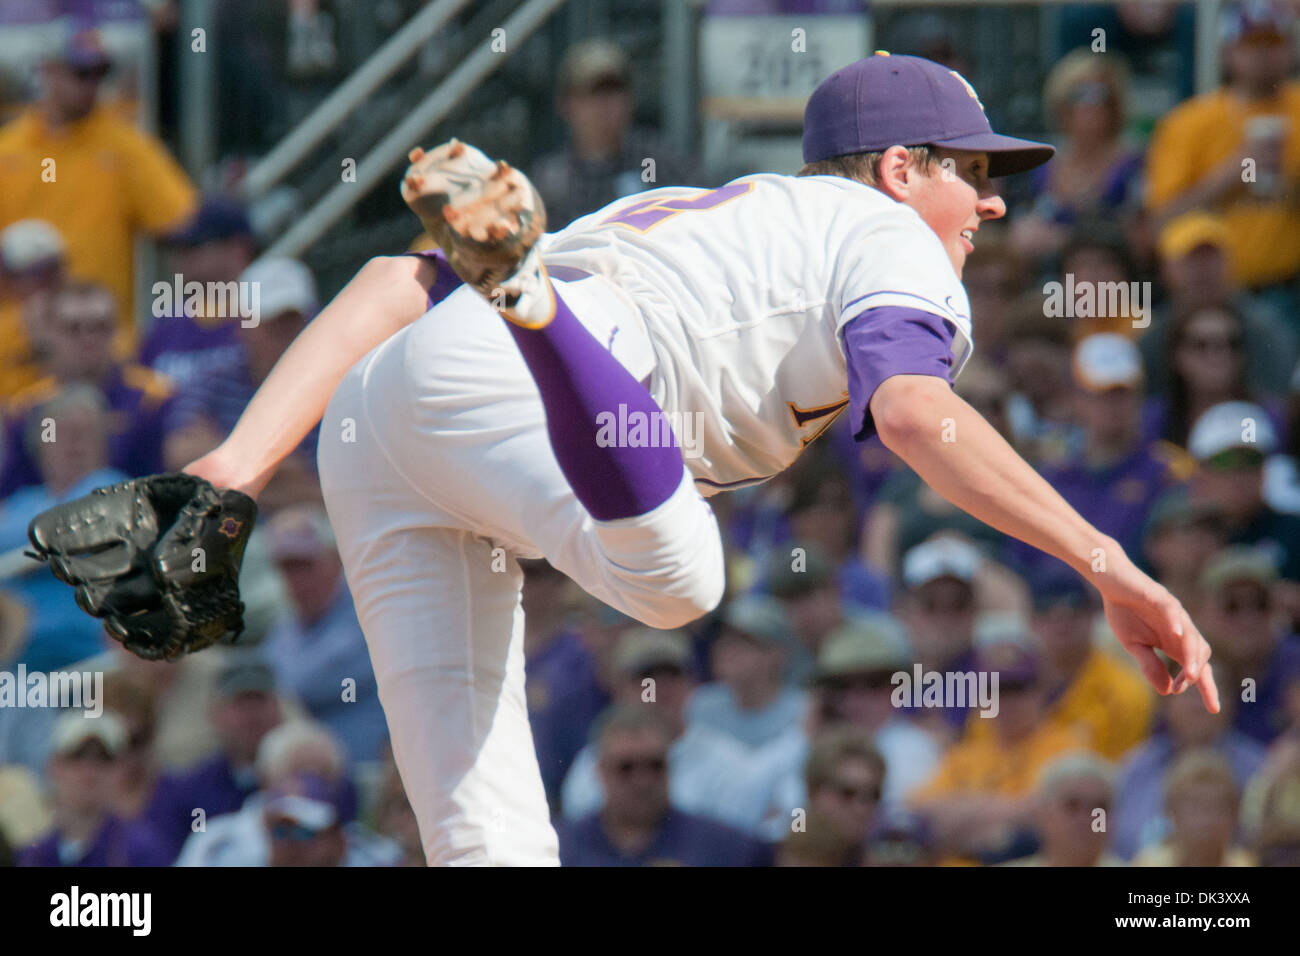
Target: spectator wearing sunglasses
x,y
1096,169
76,163
1239,617
1203,800
1193,251
653,670
639,824
1072,801
84,773
1230,442
844,780
1206,355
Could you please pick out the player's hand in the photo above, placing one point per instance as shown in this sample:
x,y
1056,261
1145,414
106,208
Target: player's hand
x,y
1146,618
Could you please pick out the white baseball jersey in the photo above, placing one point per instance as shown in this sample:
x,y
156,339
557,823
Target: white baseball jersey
x,y
745,290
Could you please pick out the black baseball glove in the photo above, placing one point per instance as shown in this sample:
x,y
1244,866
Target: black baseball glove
x,y
157,558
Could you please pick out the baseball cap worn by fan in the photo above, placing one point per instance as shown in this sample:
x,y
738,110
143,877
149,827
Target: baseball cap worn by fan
x,y
940,558
1191,231
74,729
1227,426
644,648
30,245
1238,564
216,219
82,48
1107,360
308,801
594,65
1256,20
861,647
886,100
758,617
284,285
244,672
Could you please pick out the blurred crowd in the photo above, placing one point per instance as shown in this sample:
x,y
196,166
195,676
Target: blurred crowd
x,y
798,725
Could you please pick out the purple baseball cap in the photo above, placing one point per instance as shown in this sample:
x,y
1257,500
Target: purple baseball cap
x,y
886,100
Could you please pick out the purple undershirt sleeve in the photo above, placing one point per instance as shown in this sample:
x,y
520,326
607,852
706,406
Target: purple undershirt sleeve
x,y
581,385
446,281
892,340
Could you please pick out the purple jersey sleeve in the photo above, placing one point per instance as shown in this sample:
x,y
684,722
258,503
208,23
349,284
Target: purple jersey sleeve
x,y
446,282
892,340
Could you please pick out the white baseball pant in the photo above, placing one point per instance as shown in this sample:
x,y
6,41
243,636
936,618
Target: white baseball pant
x,y
437,473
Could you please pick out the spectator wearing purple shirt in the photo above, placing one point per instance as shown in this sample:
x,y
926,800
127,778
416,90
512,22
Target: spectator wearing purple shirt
x,y
1238,615
638,826
1139,817
198,344
244,711
78,342
1115,479
83,773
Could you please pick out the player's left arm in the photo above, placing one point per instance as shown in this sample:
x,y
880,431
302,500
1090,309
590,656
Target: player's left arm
x,y
389,293
962,457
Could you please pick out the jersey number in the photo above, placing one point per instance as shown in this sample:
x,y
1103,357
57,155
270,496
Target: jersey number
x,y
647,214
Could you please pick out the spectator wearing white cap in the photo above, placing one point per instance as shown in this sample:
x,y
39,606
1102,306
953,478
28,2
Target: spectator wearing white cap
x,y
318,651
1230,443
83,773
33,256
1114,478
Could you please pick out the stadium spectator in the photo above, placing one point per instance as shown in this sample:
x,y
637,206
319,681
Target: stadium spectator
x,y
1239,617
33,261
67,438
24,816
79,349
853,686
994,277
245,710
844,779
1193,253
304,813
568,668
653,670
134,706
24,731
84,774
394,818
605,156
196,341
1139,820
1230,442
1202,799
1233,149
1070,792
1271,806
1180,537
318,652
92,175
1095,170
1098,263
1090,690
1114,478
938,608
805,584
978,801
750,700
1040,408
640,824
1205,352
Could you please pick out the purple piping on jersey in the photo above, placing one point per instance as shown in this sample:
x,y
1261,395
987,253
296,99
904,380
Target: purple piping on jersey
x,y
892,340
445,283
910,295
579,381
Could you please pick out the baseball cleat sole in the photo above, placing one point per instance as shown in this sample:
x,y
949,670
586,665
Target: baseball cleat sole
x,y
486,217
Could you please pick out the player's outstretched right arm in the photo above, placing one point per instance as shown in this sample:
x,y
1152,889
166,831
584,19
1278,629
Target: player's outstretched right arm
x,y
387,294
980,473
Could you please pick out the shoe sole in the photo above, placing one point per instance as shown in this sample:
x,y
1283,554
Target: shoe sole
x,y
485,216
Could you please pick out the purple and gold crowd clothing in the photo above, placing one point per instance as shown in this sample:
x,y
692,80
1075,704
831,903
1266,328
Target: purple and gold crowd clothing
x,y
1116,499
141,407
116,843
683,839
201,356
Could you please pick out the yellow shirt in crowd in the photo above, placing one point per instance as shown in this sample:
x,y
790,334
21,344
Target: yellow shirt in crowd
x,y
111,181
1108,703
1205,131
981,763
